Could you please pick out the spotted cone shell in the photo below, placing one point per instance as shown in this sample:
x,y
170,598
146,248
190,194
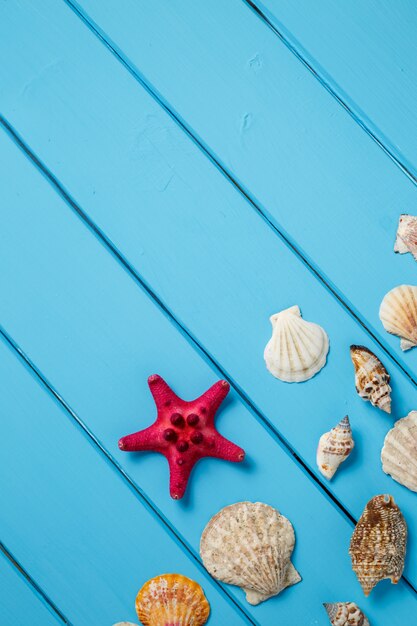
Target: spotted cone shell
x,y
406,240
399,454
378,543
398,313
250,545
172,599
334,448
297,349
345,614
371,378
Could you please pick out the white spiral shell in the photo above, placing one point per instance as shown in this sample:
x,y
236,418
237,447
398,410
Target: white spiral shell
x,y
297,349
399,454
398,314
250,545
334,448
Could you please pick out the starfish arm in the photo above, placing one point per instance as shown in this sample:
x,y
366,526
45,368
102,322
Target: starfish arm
x,y
178,476
161,392
213,397
147,439
225,449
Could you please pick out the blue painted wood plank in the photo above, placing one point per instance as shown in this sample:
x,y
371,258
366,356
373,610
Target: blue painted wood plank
x,y
20,605
279,134
97,336
80,531
236,355
365,52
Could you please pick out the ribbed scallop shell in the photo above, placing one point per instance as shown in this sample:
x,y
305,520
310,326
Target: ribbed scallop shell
x,y
250,545
398,313
371,378
399,454
345,614
297,349
334,448
378,543
406,240
172,600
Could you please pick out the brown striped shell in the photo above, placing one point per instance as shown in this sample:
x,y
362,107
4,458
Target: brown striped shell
x,y
371,378
398,313
345,614
250,545
334,448
172,599
378,543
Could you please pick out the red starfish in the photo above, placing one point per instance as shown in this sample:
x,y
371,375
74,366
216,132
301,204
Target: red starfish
x,y
184,432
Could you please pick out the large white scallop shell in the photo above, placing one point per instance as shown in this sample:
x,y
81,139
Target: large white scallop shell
x,y
406,240
399,454
345,614
334,448
297,349
398,313
250,545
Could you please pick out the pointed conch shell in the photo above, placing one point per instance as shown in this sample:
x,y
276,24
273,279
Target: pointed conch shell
x,y
345,614
378,543
297,349
406,240
399,454
250,545
371,378
172,599
334,448
398,313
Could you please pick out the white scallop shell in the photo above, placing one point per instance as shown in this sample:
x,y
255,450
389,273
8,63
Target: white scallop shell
x,y
297,349
334,448
345,614
399,454
250,545
406,240
398,313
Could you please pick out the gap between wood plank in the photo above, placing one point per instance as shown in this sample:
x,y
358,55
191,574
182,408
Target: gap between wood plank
x,y
202,351
35,587
332,90
147,502
253,201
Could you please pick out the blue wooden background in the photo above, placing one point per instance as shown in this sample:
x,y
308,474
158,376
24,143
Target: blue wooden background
x,y
172,173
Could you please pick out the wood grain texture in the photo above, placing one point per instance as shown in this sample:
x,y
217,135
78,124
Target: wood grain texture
x,y
20,605
366,53
97,339
202,251
281,136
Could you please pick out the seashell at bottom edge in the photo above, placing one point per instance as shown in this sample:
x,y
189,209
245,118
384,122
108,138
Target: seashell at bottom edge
x,y
125,624
345,614
172,599
399,453
250,545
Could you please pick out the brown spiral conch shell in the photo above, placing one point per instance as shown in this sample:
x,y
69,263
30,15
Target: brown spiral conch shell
x,y
345,614
334,448
378,543
399,454
371,378
250,545
398,314
406,240
172,599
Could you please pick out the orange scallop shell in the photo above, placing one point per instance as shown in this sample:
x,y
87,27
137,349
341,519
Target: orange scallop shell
x,y
172,600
